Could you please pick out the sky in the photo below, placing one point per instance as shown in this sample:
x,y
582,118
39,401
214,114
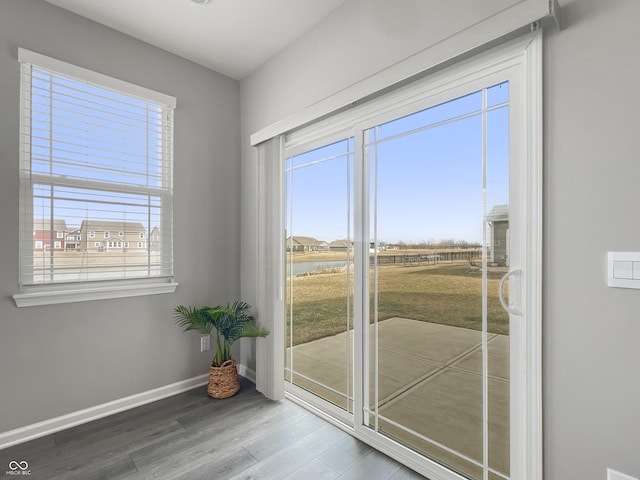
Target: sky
x,y
426,175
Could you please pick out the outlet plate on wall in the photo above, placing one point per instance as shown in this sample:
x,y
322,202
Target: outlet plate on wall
x,y
613,475
205,343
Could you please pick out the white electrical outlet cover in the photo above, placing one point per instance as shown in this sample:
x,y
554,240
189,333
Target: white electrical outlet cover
x,y
613,475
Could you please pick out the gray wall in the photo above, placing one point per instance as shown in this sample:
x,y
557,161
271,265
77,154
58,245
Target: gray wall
x,y
591,333
61,358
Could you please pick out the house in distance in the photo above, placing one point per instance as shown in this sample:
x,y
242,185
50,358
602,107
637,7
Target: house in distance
x,y
104,236
498,220
48,234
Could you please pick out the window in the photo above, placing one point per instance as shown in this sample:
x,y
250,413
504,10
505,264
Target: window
x,y
141,236
95,152
57,245
59,234
38,244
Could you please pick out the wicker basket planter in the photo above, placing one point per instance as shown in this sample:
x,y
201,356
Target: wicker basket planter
x,y
226,324
223,380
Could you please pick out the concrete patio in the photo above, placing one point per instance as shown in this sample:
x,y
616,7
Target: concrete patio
x,y
430,380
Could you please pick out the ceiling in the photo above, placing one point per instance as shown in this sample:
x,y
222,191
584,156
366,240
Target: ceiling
x,y
233,37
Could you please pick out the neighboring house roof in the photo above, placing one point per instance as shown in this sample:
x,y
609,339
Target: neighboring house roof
x,y
103,226
499,213
341,243
44,224
298,240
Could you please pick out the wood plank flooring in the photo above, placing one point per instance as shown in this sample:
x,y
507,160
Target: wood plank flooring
x,y
190,436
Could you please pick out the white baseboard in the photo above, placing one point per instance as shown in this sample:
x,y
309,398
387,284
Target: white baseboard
x,y
247,373
46,427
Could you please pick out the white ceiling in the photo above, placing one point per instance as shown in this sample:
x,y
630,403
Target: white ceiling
x,y
233,37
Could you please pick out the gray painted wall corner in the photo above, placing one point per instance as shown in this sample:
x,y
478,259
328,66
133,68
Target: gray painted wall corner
x,y
63,358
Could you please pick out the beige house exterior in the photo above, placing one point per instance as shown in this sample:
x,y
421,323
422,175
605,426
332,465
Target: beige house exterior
x,y
341,245
72,240
306,244
155,240
105,236
498,219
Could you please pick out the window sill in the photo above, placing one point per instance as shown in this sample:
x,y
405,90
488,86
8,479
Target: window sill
x,y
75,293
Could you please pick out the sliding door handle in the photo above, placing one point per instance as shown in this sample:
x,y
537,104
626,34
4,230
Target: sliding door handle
x,y
509,308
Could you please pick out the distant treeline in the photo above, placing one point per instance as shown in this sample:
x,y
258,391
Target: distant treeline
x,y
446,243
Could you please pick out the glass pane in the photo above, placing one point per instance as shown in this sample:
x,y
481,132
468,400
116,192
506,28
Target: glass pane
x,y
322,154
439,113
320,274
434,287
82,234
429,297
498,94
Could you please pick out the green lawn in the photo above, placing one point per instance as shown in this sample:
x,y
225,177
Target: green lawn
x,y
447,294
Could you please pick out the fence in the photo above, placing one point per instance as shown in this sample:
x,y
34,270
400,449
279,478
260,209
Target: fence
x,y
424,259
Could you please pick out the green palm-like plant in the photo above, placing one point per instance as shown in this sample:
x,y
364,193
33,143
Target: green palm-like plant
x,y
230,323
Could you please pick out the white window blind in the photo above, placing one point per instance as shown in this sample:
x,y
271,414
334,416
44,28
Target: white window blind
x,y
96,159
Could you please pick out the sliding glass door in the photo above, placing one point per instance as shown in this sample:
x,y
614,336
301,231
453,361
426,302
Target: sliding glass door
x,y
412,272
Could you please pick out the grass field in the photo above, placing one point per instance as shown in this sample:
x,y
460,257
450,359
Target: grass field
x,y
448,294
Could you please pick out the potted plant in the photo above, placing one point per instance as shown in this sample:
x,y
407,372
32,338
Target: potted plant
x,y
229,323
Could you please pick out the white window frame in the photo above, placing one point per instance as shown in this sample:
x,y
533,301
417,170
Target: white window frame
x,y
59,234
39,245
54,293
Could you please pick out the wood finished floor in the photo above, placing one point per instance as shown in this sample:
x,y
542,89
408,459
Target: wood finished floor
x,y
192,437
